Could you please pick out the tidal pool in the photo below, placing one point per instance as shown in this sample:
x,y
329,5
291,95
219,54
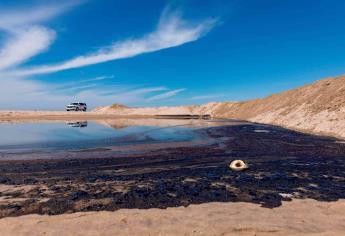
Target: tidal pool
x,y
90,134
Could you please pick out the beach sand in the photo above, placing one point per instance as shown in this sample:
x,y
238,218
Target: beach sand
x,y
298,217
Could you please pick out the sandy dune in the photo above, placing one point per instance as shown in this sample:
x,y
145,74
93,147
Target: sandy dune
x,y
299,217
317,107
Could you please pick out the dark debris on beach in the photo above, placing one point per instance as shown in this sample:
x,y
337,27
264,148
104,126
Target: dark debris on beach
x,y
284,164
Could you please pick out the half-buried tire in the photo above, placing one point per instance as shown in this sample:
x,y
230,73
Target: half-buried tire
x,y
238,165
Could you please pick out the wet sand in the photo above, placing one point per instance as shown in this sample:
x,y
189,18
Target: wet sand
x,y
284,165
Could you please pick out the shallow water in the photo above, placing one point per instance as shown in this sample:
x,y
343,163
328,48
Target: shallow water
x,y
91,134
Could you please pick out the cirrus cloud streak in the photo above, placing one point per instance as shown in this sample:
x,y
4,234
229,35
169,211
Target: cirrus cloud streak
x,y
172,31
23,44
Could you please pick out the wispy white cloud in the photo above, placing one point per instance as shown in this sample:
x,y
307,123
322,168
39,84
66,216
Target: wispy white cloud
x,y
99,78
24,37
171,31
203,97
23,44
165,95
142,91
75,86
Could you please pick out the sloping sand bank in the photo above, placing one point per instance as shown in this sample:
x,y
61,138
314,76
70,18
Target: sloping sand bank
x,y
318,107
299,217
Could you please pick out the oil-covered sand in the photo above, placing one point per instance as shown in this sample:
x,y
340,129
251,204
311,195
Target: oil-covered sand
x,y
284,165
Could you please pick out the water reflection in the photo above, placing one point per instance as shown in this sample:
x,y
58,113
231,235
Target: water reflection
x,y
96,133
120,123
77,124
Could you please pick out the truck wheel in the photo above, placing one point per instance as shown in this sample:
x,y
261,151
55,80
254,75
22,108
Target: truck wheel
x,y
77,109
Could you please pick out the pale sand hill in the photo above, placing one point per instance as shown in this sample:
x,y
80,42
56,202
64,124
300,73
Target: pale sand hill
x,y
149,111
299,217
318,107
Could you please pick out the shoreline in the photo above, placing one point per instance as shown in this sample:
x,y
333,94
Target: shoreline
x,y
38,116
61,115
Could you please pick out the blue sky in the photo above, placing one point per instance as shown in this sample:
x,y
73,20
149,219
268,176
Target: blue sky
x,y
149,53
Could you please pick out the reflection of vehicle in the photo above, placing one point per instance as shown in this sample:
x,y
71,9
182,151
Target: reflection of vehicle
x,y
76,106
77,124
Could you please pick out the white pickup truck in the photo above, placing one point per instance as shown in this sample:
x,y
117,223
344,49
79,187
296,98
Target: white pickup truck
x,y
76,106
